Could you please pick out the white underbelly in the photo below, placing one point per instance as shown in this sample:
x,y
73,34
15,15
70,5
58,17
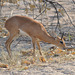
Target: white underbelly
x,y
23,33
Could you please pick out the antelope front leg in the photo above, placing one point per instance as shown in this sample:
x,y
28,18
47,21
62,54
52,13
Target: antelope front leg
x,y
33,41
42,59
38,44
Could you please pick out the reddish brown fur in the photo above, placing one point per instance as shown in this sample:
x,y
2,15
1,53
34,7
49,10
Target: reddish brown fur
x,y
33,28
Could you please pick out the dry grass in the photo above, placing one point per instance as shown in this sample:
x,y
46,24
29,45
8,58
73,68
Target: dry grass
x,y
22,60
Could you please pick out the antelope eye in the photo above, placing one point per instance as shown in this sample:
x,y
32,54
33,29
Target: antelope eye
x,y
61,42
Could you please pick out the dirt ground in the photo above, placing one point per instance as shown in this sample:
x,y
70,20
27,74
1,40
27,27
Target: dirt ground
x,y
54,62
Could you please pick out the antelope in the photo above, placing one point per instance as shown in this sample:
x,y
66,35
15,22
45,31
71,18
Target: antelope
x,y
27,26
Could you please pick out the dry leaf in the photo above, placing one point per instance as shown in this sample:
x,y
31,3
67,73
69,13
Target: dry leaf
x,y
32,61
61,11
42,59
32,6
58,51
51,59
3,65
69,49
4,19
48,8
73,53
52,52
25,62
25,68
27,53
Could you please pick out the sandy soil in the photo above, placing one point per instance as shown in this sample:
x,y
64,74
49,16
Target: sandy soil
x,y
63,64
67,68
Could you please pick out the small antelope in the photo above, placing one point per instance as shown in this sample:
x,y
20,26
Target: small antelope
x,y
24,25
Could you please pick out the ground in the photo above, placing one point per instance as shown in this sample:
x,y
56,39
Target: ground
x,y
54,61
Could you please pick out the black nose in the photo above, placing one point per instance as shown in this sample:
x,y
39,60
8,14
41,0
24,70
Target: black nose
x,y
61,42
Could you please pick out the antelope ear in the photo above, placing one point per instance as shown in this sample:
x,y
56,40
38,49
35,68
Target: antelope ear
x,y
53,34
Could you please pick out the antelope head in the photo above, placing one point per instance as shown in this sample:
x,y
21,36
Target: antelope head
x,y
59,41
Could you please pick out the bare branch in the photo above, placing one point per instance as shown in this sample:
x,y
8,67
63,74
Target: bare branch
x,y
73,1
